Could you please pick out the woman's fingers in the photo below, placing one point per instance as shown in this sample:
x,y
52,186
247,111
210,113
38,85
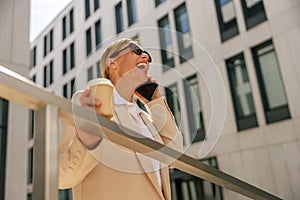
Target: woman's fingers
x,y
86,100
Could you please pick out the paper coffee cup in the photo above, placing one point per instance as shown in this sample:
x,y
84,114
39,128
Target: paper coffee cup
x,y
102,89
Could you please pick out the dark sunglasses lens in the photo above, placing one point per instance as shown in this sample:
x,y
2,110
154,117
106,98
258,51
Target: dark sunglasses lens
x,y
149,57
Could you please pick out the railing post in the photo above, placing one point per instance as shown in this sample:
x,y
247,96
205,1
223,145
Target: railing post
x,y
45,163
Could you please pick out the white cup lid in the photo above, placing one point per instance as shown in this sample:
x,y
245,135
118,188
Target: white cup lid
x,y
98,81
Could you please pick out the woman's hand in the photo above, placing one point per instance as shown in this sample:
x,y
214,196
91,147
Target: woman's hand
x,y
89,102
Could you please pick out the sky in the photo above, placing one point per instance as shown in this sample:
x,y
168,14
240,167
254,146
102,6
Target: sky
x,y
42,12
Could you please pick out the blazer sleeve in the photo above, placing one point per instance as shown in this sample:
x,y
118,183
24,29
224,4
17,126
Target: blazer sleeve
x,y
165,124
75,161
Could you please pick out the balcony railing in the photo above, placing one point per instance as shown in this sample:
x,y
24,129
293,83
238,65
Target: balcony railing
x,y
50,109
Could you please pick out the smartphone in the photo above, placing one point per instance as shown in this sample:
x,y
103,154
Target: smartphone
x,y
147,89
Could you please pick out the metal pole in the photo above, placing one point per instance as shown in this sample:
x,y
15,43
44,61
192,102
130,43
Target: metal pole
x,y
45,159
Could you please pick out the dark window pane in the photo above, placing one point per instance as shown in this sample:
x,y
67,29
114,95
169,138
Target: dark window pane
x,y
30,166
254,12
241,93
227,19
51,40
98,33
157,2
65,90
33,78
72,55
65,194
186,186
71,21
64,27
72,87
45,76
131,11
31,124
88,42
174,105
166,43
270,82
45,45
87,8
33,57
3,142
51,72
119,18
183,33
193,104
90,75
98,70
96,4
64,61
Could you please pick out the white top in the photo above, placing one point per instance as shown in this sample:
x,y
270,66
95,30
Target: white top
x,y
134,110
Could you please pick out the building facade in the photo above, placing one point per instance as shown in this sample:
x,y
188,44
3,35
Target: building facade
x,y
14,55
253,45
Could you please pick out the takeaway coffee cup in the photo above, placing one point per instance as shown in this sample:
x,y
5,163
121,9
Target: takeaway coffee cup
x,y
101,89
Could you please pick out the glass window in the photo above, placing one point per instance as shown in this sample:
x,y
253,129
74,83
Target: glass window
x,y
88,42
64,27
96,4
71,21
194,111
254,12
241,93
99,75
51,72
51,40
183,33
189,187
65,61
87,8
33,57
173,102
45,76
90,74
72,55
45,45
119,18
48,74
98,33
270,82
131,11
65,90
3,142
30,166
72,87
166,43
227,19
157,2
31,124
65,194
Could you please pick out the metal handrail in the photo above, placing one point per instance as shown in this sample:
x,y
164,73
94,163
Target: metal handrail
x,y
50,108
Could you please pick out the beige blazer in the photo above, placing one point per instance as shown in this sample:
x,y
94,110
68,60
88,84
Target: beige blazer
x,y
113,172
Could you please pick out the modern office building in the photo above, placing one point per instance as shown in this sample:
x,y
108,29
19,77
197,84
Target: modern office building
x,y
249,47
14,55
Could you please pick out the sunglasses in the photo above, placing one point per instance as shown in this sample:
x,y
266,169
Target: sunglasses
x,y
136,49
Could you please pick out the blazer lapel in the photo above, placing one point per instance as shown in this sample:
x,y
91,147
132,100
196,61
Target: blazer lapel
x,y
125,119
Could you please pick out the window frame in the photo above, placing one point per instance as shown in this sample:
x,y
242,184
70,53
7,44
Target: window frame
x,y
271,114
244,122
255,15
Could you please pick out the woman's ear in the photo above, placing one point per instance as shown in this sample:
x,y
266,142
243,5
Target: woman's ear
x,y
110,63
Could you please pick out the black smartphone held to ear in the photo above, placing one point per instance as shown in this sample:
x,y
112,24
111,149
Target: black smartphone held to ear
x,y
147,89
